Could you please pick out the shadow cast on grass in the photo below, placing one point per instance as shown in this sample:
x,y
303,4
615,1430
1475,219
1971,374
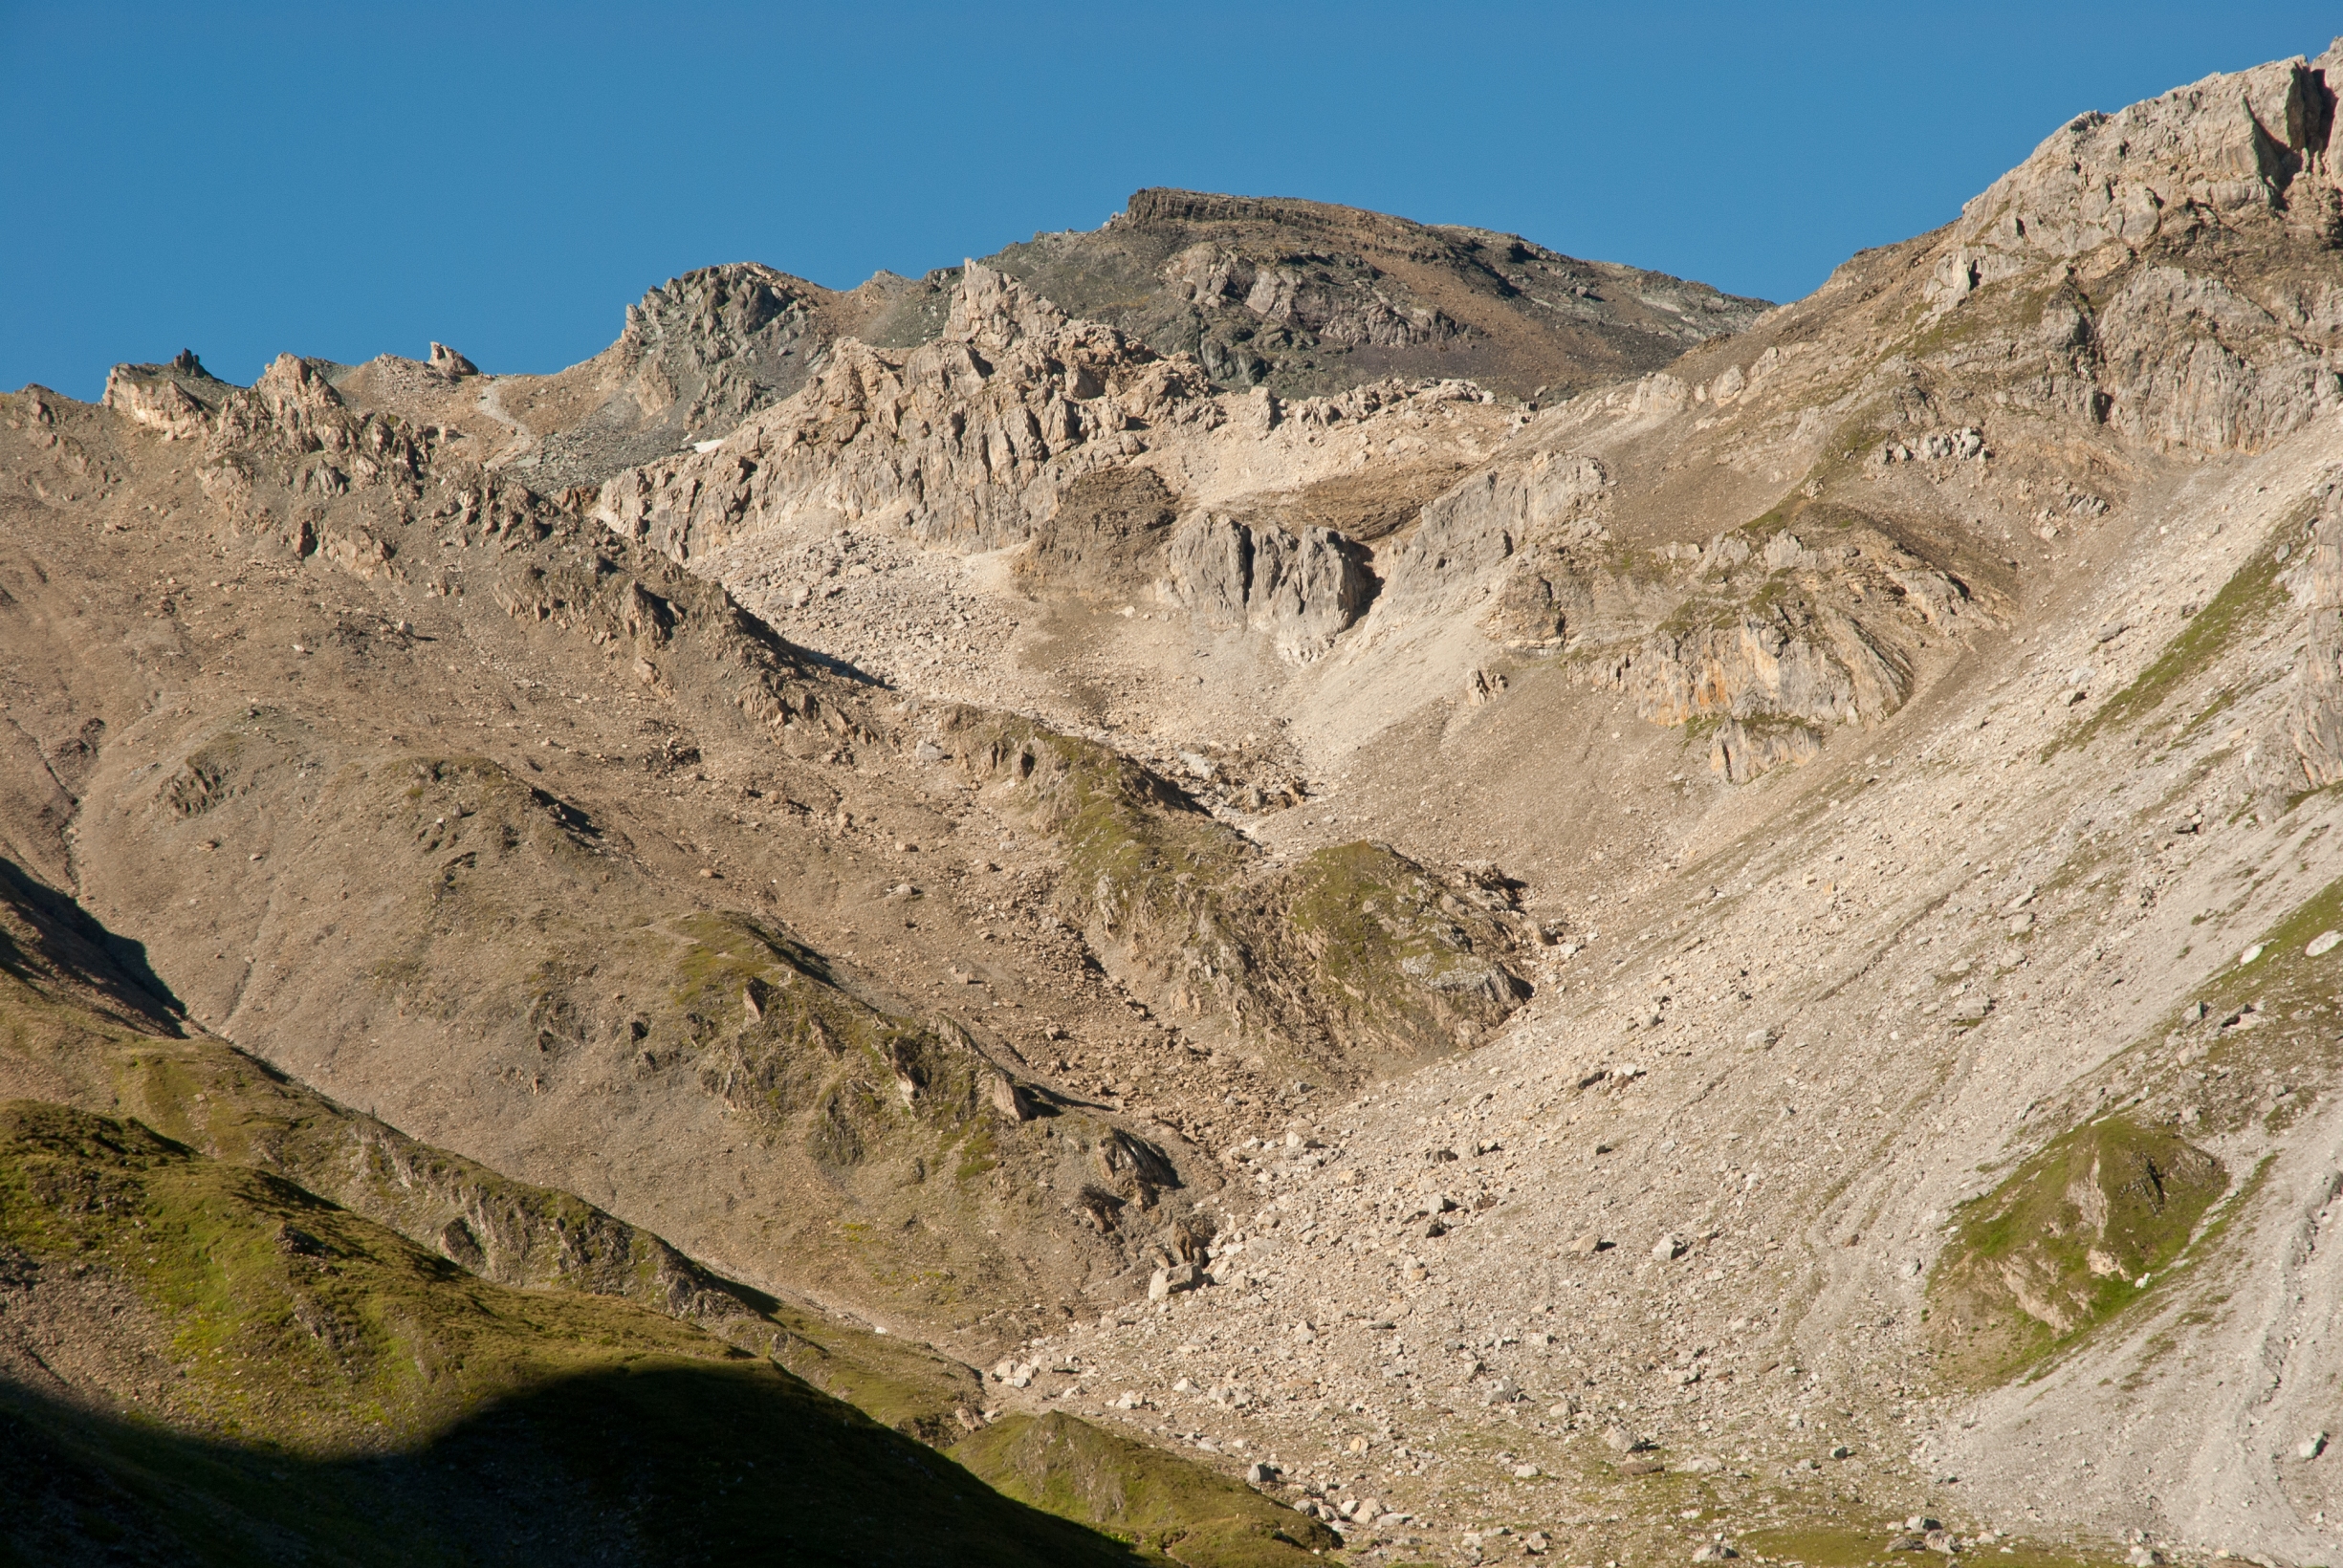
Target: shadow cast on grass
x,y
663,1464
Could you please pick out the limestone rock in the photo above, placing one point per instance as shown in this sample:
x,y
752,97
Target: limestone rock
x,y
696,357
160,404
177,400
1300,590
1310,298
447,361
2312,741
1790,659
966,439
1484,522
2176,356
1742,752
2253,142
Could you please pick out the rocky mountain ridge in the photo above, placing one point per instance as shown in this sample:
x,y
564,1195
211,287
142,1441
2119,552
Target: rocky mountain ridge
x,y
1726,963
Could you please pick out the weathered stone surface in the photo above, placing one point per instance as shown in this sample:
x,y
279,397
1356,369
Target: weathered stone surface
x,y
697,354
177,400
1488,519
1742,752
448,362
967,439
1309,298
2312,749
2203,155
1303,590
2181,358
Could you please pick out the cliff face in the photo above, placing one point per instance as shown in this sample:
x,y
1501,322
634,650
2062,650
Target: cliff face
x,y
965,440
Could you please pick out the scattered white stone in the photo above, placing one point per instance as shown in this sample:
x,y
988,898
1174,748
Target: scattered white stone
x,y
2250,954
2323,944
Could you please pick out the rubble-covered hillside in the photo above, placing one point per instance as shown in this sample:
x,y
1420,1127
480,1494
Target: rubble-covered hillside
x,y
1282,881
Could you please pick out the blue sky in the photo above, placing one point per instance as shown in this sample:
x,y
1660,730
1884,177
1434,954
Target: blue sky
x,y
342,180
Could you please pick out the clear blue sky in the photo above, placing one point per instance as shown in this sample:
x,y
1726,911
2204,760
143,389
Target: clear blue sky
x,y
341,180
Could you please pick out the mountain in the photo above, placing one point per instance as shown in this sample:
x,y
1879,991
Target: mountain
x,y
1308,298
1727,955
1299,296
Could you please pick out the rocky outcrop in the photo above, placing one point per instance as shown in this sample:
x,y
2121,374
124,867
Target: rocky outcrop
x,y
966,440
2217,152
698,355
1802,636
1745,752
160,404
1352,960
176,399
446,362
1302,590
1309,298
1332,298
1784,657
292,417
1515,519
2178,347
2313,746
2190,362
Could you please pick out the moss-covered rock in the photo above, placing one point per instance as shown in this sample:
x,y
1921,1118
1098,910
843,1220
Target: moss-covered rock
x,y
2069,1238
1353,957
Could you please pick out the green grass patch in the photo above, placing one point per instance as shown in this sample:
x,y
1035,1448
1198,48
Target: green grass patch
x,y
1140,1493
2062,1244
2246,601
1856,1546
309,1386
1355,950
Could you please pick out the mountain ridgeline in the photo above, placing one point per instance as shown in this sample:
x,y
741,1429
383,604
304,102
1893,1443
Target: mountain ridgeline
x,y
1268,883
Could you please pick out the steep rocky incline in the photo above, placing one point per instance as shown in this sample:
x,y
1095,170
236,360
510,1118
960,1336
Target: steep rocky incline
x,y
218,1365
658,915
84,1032
1993,585
1928,1109
1741,961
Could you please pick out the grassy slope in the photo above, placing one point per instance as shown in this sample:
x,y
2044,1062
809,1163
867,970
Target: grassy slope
x,y
312,1386
1139,1493
2066,1241
1352,957
73,1025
